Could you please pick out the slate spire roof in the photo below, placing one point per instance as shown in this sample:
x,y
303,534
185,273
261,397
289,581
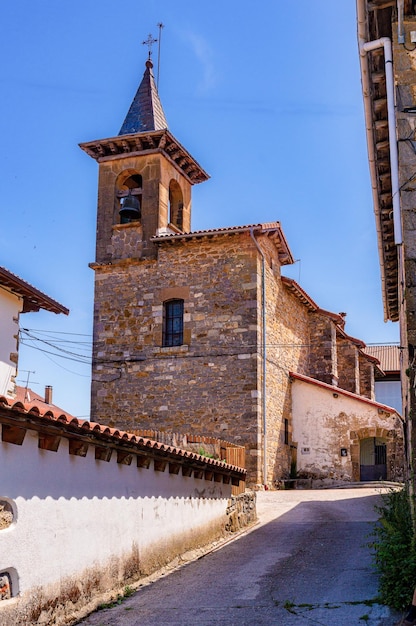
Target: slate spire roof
x,y
146,111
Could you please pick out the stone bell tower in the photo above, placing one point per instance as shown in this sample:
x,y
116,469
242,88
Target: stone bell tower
x,y
144,192
145,180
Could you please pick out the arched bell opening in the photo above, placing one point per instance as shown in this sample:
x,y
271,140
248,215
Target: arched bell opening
x,y
175,205
129,197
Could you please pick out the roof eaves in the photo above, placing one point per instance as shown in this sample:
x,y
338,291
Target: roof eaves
x,y
33,298
378,148
300,293
68,426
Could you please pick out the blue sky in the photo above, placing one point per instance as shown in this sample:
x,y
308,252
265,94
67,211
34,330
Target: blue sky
x,y
268,102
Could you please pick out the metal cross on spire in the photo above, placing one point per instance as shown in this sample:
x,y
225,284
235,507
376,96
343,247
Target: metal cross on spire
x,y
149,43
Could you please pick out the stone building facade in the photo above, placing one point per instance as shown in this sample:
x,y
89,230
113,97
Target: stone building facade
x,y
386,36
198,331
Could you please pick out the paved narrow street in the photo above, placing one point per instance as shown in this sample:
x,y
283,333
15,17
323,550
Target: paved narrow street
x,y
305,563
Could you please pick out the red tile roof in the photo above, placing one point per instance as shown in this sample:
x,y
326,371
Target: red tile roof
x,y
38,414
34,403
271,229
389,357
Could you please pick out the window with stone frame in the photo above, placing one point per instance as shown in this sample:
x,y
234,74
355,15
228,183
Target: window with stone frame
x,y
172,323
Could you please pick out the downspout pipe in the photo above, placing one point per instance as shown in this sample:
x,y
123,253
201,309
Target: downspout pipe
x,y
365,47
264,353
400,26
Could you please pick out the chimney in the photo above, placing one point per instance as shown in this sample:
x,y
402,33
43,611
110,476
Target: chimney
x,y
48,394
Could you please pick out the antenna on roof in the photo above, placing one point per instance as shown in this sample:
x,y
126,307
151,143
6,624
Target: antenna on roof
x,y
27,395
160,26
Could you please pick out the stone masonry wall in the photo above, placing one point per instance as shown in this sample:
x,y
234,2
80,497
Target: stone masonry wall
x,y
209,385
323,351
348,365
367,379
404,70
157,173
287,339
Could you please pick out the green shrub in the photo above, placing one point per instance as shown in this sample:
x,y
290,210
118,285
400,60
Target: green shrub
x,y
394,550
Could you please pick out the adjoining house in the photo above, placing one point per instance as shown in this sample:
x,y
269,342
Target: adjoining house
x,y
198,331
388,386
16,297
341,436
386,38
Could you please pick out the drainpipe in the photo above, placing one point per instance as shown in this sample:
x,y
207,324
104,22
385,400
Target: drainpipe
x,y
400,26
263,323
383,42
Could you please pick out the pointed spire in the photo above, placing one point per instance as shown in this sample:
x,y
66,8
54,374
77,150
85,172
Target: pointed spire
x,y
146,112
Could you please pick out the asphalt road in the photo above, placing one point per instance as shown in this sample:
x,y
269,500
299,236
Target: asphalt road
x,y
305,563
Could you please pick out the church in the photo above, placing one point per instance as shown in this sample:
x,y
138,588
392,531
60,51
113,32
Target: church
x,y
199,331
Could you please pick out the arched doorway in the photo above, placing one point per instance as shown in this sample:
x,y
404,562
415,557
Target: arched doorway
x,y
373,459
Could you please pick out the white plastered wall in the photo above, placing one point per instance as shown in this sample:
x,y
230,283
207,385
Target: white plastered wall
x,y
323,420
10,307
74,513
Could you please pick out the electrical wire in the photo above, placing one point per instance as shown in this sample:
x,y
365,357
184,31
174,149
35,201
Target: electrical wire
x,y
27,338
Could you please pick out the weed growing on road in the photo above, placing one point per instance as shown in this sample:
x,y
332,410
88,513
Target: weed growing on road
x,y
128,591
289,606
394,550
365,618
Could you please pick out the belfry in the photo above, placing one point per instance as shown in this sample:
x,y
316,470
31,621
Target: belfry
x,y
145,180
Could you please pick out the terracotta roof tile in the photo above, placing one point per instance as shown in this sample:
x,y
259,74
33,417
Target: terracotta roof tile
x,y
272,229
38,411
388,355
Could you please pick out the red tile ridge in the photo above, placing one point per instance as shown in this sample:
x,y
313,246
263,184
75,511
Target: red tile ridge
x,y
219,231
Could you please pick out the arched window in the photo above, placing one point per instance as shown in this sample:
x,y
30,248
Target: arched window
x,y
172,323
130,186
175,205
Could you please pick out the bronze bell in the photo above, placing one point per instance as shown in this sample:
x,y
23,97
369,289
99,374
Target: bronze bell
x,y
130,209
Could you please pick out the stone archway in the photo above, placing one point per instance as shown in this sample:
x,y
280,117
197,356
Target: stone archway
x,y
393,442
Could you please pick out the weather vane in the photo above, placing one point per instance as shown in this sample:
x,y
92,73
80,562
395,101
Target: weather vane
x,y
149,43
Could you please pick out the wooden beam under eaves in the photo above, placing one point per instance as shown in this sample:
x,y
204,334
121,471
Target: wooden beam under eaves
x,y
380,4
